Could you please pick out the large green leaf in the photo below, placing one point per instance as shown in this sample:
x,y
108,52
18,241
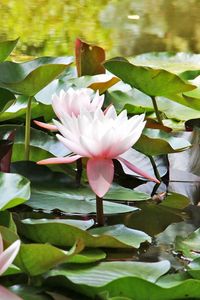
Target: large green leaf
x,y
153,82
92,279
130,280
6,48
14,190
68,200
39,139
186,63
30,77
99,82
33,258
106,272
160,142
137,102
66,233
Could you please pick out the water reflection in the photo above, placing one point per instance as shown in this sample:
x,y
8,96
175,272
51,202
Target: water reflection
x,y
49,27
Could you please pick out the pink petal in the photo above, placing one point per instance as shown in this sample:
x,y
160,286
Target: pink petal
x,y
100,174
59,160
5,294
136,169
8,255
46,126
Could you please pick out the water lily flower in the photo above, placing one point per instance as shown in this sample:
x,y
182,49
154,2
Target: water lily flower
x,y
101,137
72,102
6,258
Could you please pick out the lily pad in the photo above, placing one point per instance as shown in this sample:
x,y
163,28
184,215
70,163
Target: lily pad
x,y
62,234
33,258
189,245
186,63
30,77
14,190
160,142
153,82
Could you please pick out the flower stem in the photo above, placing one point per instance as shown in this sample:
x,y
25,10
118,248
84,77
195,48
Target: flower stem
x,y
79,167
99,211
155,169
28,129
156,110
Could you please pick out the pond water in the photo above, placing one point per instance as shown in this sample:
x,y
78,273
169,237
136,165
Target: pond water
x,y
49,27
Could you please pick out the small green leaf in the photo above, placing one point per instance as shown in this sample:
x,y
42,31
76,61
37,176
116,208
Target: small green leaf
x,y
14,190
33,258
6,48
160,142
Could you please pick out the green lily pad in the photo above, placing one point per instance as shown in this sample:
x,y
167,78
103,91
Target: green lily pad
x,y
160,142
68,200
153,82
6,48
33,258
194,268
173,62
39,139
62,233
137,284
189,245
30,77
14,190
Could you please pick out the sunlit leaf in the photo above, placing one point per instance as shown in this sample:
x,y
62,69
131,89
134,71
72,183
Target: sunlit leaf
x,y
30,77
153,82
33,258
66,233
6,48
14,190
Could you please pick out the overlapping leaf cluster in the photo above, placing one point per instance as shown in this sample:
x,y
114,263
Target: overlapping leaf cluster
x,y
54,219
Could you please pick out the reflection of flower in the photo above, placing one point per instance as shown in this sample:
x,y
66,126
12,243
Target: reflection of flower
x,y
100,137
6,258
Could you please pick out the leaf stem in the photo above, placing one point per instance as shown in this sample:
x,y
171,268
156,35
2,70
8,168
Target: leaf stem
x,y
28,129
99,211
156,110
79,167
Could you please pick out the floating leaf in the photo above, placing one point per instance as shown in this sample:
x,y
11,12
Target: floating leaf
x,y
64,233
33,258
14,190
189,245
72,201
178,63
160,142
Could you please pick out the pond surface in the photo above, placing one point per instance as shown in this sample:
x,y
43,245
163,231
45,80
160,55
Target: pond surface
x,y
49,27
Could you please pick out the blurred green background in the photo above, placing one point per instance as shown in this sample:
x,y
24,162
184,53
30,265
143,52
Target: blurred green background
x,y
128,27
